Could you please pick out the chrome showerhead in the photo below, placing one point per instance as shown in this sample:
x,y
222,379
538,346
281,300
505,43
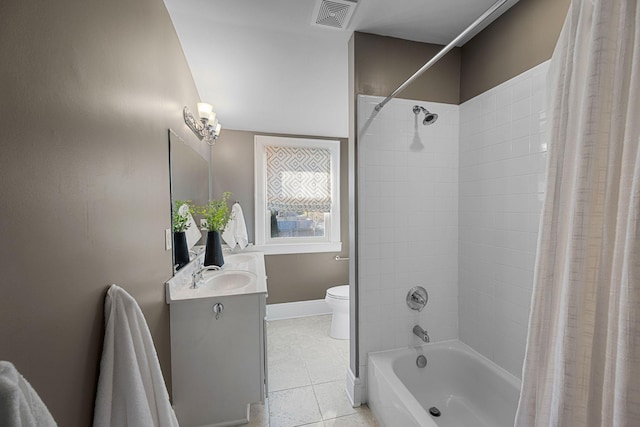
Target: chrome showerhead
x,y
429,118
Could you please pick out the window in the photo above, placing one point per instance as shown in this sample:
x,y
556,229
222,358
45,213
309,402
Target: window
x,y
297,195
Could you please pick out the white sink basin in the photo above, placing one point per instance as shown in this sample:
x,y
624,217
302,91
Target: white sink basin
x,y
241,274
228,280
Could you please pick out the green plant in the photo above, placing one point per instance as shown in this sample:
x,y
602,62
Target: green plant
x,y
216,213
181,221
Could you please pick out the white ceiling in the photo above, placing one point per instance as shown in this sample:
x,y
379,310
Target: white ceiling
x,y
265,68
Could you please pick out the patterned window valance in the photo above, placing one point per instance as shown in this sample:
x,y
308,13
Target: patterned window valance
x,y
298,179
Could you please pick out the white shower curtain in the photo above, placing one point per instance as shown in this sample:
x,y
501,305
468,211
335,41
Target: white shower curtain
x,y
582,364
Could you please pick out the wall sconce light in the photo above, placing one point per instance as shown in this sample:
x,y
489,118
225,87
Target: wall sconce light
x,y
208,128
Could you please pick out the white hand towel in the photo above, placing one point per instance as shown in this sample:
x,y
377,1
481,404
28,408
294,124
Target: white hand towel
x,y
236,230
240,231
228,234
131,389
192,233
20,405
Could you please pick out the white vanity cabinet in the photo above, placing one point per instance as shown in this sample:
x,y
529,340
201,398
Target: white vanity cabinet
x,y
217,365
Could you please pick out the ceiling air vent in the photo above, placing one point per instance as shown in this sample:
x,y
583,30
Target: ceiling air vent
x,y
333,13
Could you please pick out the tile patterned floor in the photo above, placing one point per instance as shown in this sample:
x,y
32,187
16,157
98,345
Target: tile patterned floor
x,y
307,371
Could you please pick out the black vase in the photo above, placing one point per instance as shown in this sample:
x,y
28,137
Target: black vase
x,y
213,252
180,249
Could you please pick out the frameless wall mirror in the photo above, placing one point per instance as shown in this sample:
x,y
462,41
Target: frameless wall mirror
x,y
189,172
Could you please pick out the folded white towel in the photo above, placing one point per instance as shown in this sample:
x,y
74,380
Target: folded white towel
x,y
192,233
20,405
131,389
236,231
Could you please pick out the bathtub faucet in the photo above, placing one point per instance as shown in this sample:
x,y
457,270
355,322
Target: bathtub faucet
x,y
421,333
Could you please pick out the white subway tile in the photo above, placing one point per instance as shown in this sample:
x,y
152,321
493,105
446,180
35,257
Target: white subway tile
x,y
521,108
521,87
481,168
503,95
503,114
520,127
499,230
503,133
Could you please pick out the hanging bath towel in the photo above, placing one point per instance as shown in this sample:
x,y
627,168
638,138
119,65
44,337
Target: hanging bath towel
x,y
193,233
235,233
131,389
20,405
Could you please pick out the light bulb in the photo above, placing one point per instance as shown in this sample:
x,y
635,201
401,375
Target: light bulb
x,y
204,110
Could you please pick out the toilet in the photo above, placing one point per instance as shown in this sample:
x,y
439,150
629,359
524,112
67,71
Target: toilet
x,y
338,299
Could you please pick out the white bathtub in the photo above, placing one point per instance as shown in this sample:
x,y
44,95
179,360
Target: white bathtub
x,y
467,388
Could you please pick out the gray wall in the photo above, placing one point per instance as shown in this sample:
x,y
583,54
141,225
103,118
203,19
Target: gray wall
x,y
88,91
298,277
381,64
518,40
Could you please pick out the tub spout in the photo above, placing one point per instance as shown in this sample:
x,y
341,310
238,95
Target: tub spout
x,y
421,333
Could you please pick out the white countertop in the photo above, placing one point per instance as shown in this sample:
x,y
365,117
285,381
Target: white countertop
x,y
179,288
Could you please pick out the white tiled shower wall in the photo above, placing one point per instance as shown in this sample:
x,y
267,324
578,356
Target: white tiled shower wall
x,y
502,178
453,207
407,222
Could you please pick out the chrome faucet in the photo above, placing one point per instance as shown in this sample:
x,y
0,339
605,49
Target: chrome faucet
x,y
421,333
197,274
416,297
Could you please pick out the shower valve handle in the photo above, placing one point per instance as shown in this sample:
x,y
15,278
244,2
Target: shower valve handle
x,y
417,298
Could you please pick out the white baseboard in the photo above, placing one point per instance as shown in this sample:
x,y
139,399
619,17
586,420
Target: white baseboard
x,y
290,310
354,389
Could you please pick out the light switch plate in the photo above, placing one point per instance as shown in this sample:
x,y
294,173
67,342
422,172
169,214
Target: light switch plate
x,y
167,239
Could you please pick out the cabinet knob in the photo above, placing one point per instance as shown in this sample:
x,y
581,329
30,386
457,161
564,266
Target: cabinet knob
x,y
217,309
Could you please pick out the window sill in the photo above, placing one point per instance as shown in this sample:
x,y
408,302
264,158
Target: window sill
x,y
299,248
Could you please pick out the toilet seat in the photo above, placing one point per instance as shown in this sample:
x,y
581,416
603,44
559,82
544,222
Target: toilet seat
x,y
339,292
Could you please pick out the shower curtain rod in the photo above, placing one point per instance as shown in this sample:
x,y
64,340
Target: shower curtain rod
x,y
442,53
